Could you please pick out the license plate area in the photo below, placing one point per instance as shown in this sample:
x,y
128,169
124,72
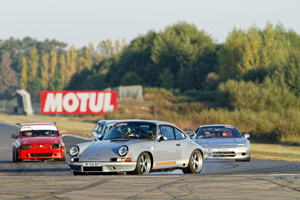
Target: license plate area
x,y
222,150
92,169
92,164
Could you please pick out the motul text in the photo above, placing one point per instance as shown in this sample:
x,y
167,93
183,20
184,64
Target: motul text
x,y
78,102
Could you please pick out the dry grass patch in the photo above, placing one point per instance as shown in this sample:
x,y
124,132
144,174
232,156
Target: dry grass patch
x,y
275,152
74,125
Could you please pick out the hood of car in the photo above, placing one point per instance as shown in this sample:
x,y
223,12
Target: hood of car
x,y
221,142
40,140
105,150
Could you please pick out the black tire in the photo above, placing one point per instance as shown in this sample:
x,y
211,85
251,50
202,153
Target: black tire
x,y
195,163
143,164
63,159
15,156
78,173
243,160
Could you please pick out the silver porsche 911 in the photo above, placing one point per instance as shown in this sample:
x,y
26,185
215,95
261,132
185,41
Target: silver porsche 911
x,y
223,142
140,147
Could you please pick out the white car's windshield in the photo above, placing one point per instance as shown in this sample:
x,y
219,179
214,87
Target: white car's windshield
x,y
218,132
132,130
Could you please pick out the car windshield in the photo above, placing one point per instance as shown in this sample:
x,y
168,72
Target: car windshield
x,y
35,133
132,130
218,132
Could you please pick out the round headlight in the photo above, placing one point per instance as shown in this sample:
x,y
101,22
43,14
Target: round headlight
x,y
123,150
74,151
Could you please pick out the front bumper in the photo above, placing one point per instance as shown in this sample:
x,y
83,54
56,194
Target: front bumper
x,y
227,153
28,154
102,166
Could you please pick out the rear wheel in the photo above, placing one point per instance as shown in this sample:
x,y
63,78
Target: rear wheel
x,y
143,165
195,163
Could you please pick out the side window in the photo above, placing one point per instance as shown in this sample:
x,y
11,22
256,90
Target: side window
x,y
178,134
100,128
196,131
167,132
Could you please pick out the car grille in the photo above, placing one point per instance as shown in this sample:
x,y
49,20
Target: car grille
x,y
40,146
41,154
223,154
92,169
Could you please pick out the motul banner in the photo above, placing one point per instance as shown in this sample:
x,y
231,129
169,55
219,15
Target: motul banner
x,y
78,102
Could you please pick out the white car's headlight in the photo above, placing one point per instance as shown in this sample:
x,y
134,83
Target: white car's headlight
x,y
123,150
74,151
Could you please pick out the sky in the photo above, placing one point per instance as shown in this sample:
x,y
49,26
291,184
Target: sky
x,y
79,22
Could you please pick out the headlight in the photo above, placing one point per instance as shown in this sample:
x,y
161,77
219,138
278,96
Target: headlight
x,y
123,150
74,151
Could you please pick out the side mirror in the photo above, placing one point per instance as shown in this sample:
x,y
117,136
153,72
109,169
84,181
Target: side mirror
x,y
14,136
161,138
100,137
246,135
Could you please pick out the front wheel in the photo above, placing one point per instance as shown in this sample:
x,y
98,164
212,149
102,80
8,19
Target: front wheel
x,y
195,163
143,165
78,173
15,156
63,159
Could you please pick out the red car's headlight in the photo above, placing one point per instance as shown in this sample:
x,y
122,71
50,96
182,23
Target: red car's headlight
x,y
56,146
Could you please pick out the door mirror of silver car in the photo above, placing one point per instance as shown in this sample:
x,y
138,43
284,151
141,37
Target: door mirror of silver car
x,y
161,138
192,134
246,135
14,136
100,137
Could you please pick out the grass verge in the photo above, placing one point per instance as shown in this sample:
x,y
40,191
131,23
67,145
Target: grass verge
x,y
71,125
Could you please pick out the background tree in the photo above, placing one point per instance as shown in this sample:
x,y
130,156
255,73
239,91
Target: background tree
x,y
45,71
53,70
8,78
24,76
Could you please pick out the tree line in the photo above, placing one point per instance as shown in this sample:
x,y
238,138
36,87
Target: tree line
x,y
253,69
48,65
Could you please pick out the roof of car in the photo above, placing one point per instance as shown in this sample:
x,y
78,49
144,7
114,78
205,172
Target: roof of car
x,y
115,120
216,125
40,123
150,121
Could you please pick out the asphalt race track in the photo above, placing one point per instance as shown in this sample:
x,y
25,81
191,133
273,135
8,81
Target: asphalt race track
x,y
258,179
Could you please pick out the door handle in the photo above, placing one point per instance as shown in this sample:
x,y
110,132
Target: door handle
x,y
177,145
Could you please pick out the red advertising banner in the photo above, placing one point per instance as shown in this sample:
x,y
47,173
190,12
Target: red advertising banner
x,y
78,102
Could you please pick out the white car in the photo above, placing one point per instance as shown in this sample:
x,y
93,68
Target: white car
x,y
101,128
138,146
223,142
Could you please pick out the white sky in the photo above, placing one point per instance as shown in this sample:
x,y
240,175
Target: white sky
x,y
79,22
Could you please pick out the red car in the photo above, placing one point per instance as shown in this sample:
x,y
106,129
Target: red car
x,y
38,141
